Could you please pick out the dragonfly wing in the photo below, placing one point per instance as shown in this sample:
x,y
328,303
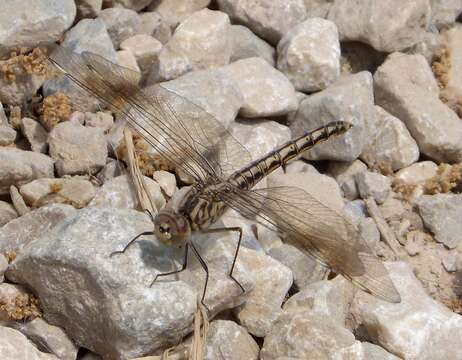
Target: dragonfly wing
x,y
320,231
182,132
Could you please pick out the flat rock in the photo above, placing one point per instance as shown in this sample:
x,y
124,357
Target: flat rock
x,y
19,167
7,213
413,98
175,11
229,340
390,145
344,173
350,99
266,91
246,45
14,346
379,25
441,214
309,55
267,18
120,23
28,23
145,48
373,185
36,134
417,328
77,149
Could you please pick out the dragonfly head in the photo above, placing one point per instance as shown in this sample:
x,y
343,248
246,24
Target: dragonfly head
x,y
171,228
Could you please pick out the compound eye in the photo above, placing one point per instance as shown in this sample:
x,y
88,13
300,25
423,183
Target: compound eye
x,y
164,228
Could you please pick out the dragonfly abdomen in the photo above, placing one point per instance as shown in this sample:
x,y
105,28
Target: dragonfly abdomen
x,y
247,177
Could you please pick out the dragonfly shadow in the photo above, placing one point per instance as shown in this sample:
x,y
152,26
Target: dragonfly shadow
x,y
158,257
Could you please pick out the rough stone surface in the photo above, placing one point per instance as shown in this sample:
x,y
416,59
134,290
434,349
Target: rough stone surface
x,y
17,201
7,213
88,8
166,181
28,24
77,149
129,4
228,340
389,144
374,352
120,23
379,25
344,173
441,214
373,185
405,87
35,133
266,91
19,167
145,48
445,12
267,18
154,24
175,11
112,169
101,120
22,89
417,173
246,45
350,99
7,135
15,346
309,55
3,267
416,328
126,59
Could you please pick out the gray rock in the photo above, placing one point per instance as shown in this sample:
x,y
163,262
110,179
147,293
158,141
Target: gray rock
x,y
445,12
441,214
228,340
344,173
377,24
77,149
415,242
48,338
175,11
169,65
14,345
267,18
101,120
36,134
166,181
369,232
145,48
22,89
417,173
126,59
272,282
214,92
438,334
3,267
119,192
88,8
3,119
120,23
17,201
356,209
7,135
309,55
245,44
374,185
154,24
19,167
7,213
389,145
374,352
405,87
129,4
19,232
266,91
392,209
28,23
450,260
317,8
350,99
112,169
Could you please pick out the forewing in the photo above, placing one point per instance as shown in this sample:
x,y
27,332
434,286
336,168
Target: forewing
x,y
183,133
320,231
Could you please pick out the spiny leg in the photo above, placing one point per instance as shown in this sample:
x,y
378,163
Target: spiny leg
x,y
239,230
206,269
131,242
185,262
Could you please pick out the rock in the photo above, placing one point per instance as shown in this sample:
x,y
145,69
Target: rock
x,y
310,336
377,24
369,232
136,5
88,8
415,242
390,144
48,338
413,98
36,134
14,345
445,12
392,209
126,59
20,167
155,25
101,120
227,339
317,8
26,24
450,261
19,232
18,201
121,24
272,282
374,352
373,185
441,214
112,169
77,149
145,48
245,44
119,192
7,135
269,19
350,99
210,90
266,91
166,180
416,328
309,55
344,173
175,11
357,57
3,267
417,173
7,213
169,65
3,118
356,209
73,191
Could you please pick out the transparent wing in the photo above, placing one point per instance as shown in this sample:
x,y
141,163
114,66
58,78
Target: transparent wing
x,y
320,231
182,132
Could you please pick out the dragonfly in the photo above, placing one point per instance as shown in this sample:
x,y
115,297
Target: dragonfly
x,y
224,175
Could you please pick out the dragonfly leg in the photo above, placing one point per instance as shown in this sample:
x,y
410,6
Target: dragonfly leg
x,y
206,269
239,230
185,262
131,242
